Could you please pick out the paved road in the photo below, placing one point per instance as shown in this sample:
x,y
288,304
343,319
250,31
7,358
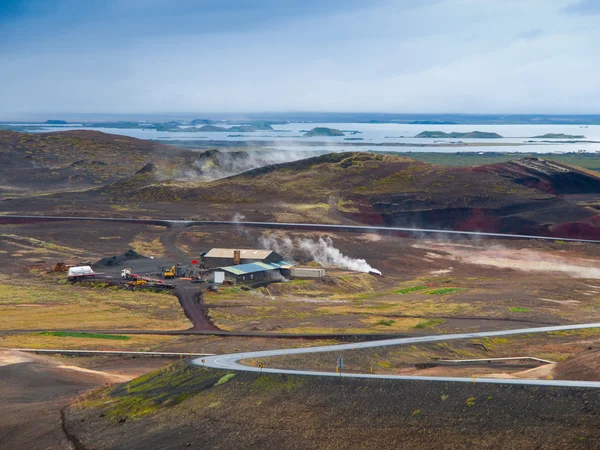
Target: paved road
x,y
16,219
232,361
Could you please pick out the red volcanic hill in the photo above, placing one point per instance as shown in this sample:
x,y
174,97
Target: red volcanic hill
x,y
526,196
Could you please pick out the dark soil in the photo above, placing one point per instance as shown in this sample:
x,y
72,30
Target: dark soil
x,y
276,411
33,393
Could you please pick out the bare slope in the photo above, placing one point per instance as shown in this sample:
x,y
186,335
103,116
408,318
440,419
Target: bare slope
x,y
72,160
185,406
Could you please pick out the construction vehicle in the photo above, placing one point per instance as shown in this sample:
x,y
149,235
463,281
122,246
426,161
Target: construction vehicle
x,y
60,267
169,273
127,275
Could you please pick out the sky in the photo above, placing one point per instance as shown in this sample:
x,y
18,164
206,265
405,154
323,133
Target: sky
x,y
397,56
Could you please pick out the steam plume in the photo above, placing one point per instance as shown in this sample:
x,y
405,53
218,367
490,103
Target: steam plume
x,y
321,250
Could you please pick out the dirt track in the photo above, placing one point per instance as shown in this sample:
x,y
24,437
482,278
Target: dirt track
x,y
190,297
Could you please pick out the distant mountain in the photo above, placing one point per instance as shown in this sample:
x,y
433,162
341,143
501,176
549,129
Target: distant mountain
x,y
213,128
254,126
56,122
323,131
202,122
455,135
432,122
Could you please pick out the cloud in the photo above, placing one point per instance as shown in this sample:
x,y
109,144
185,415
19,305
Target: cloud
x,y
153,56
583,7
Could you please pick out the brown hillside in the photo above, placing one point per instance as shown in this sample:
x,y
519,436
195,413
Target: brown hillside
x,y
381,189
78,159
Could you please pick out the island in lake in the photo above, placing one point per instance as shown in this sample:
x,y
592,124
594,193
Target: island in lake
x,y
455,135
323,131
559,136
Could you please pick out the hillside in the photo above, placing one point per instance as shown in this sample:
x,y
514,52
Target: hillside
x,y
73,160
520,196
526,195
185,406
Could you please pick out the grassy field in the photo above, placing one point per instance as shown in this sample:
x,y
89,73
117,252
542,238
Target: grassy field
x,y
42,341
44,304
462,159
345,303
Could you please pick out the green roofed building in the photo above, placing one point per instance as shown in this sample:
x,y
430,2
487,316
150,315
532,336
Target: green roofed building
x,y
258,271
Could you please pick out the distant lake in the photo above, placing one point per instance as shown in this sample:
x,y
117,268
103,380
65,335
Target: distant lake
x,y
290,136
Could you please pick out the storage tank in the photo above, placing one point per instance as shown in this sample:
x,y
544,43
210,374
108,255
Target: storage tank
x,y
80,272
307,272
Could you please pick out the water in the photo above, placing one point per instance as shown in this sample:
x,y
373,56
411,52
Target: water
x,y
290,137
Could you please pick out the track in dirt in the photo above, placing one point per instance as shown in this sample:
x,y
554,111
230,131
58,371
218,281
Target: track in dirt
x,y
190,297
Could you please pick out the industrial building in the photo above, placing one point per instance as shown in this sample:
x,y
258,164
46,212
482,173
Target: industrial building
x,y
254,272
220,257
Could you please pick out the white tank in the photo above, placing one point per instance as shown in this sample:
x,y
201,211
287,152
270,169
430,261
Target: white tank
x,y
80,271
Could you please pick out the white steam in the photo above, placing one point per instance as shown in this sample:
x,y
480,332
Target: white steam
x,y
321,250
214,164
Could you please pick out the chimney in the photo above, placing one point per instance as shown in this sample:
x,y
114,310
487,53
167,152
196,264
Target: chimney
x,y
237,257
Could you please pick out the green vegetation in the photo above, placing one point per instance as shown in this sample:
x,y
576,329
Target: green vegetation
x,y
225,378
444,291
429,323
518,309
116,337
470,401
410,289
387,323
589,161
153,391
36,303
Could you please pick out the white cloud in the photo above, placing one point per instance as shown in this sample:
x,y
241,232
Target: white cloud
x,y
449,56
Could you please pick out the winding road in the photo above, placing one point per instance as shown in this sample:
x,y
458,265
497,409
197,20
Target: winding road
x,y
232,361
